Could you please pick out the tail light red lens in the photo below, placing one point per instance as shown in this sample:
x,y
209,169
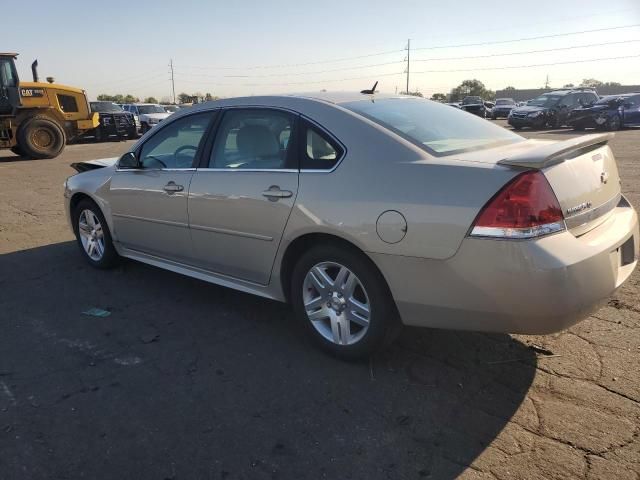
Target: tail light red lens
x,y
526,207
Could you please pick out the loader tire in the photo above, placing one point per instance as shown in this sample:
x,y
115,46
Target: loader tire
x,y
41,137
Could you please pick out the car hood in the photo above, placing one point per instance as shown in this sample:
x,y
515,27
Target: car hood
x,y
159,116
94,164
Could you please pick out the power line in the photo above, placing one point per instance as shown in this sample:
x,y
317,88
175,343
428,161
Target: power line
x,y
528,66
285,65
523,39
525,52
291,74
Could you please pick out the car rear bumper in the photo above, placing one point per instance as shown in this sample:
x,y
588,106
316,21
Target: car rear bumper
x,y
531,286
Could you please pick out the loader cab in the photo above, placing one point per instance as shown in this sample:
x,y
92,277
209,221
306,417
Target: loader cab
x,y
9,97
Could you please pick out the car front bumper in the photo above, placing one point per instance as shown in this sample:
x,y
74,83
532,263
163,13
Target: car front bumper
x,y
528,286
534,122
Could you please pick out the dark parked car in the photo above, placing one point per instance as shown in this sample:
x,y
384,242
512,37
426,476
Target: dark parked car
x,y
114,121
475,105
551,109
612,112
502,107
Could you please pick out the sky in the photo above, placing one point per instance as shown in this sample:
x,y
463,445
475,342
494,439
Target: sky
x,y
235,48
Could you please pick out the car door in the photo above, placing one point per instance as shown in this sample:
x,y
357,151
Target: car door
x,y
242,195
149,203
631,107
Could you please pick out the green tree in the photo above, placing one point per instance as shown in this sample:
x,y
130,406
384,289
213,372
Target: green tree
x,y
150,100
591,82
413,94
128,98
509,89
439,97
184,98
103,97
208,97
473,88
568,85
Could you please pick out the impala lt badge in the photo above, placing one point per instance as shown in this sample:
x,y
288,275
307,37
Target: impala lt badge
x,y
578,208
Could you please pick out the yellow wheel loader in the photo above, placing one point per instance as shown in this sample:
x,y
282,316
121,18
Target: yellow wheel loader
x,y
38,119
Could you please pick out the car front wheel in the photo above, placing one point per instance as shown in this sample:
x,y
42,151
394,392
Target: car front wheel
x,y
93,235
343,301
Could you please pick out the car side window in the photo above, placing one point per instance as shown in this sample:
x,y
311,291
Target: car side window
x,y
175,145
320,151
568,101
253,139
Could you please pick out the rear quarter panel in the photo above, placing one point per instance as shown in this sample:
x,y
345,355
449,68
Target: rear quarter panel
x,y
439,197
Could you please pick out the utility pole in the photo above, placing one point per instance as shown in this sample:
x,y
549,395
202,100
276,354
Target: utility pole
x,y
408,64
546,83
173,84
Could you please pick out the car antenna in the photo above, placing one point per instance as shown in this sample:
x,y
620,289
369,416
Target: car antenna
x,y
370,92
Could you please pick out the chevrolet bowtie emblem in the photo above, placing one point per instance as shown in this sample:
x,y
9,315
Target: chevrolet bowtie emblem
x,y
604,177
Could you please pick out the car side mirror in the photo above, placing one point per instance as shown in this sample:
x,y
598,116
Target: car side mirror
x,y
129,161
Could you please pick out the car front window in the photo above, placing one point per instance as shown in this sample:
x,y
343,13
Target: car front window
x,y
437,128
175,145
105,107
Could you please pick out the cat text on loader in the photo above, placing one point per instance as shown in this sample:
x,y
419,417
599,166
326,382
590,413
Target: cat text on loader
x,y
37,119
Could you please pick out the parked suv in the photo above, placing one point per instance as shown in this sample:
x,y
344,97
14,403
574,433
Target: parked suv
x,y
612,112
149,114
551,109
475,105
502,107
114,121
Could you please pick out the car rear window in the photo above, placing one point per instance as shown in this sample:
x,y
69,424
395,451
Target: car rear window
x,y
439,129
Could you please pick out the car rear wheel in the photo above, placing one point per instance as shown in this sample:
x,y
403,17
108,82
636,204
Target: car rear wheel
x,y
93,235
343,301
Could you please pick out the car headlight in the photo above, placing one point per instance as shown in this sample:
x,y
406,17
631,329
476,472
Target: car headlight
x,y
534,114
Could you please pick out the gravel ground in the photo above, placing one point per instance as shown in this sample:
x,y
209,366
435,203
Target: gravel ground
x,y
186,380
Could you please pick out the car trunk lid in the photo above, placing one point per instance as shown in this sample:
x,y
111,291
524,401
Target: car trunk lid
x,y
582,173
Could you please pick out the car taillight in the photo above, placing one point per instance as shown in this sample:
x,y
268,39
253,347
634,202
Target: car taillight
x,y
526,207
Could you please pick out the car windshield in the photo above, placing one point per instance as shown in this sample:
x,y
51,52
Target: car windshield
x,y
545,100
105,107
503,101
144,109
471,100
437,128
171,108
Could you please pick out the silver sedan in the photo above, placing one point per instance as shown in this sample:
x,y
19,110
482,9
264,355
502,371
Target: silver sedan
x,y
367,212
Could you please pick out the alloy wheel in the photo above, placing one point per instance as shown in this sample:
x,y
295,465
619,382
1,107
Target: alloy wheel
x,y
336,303
91,235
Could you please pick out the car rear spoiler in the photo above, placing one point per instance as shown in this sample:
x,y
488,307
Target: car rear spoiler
x,y
557,152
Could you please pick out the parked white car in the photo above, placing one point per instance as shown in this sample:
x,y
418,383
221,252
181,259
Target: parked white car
x,y
148,114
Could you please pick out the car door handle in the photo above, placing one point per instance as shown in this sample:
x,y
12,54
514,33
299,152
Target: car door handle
x,y
274,193
171,187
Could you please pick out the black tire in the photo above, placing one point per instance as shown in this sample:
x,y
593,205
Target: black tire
x,y
110,257
98,135
384,323
133,133
494,117
17,150
144,128
578,128
614,123
517,128
41,137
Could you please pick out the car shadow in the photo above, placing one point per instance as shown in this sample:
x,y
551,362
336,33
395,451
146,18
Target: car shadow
x,y
184,379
